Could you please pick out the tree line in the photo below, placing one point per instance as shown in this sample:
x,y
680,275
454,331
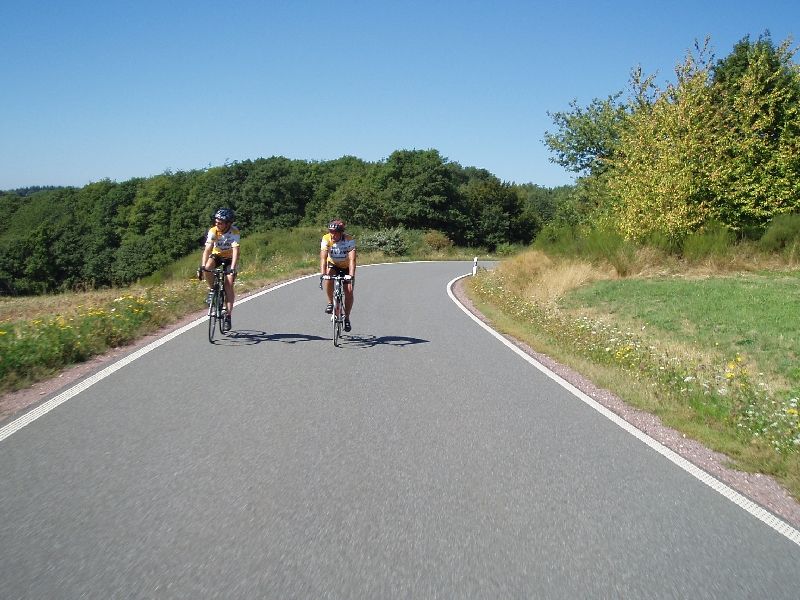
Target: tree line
x,y
719,146
108,233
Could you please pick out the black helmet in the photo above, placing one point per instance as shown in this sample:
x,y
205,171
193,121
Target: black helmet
x,y
336,225
225,214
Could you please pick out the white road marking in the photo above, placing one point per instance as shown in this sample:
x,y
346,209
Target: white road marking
x,y
751,507
754,509
58,400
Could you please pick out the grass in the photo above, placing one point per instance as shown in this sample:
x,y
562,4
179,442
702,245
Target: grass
x,y
713,356
41,335
753,315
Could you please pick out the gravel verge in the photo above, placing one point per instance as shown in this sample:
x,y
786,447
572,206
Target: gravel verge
x,y
761,489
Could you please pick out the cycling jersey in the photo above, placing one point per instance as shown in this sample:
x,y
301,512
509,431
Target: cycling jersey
x,y
223,242
338,251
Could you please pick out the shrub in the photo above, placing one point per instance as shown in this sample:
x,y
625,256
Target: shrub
x,y
436,240
714,240
507,249
557,238
593,244
782,233
392,242
661,241
605,245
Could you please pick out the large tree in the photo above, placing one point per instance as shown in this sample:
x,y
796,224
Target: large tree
x,y
420,192
756,93
586,139
658,181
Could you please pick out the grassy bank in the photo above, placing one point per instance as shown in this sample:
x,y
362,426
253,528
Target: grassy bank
x,y
713,353
42,335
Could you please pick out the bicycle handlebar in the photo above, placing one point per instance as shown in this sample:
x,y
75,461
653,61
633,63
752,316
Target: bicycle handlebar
x,y
336,278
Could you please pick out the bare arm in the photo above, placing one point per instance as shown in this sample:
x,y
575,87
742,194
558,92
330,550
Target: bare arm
x,y
206,254
235,258
323,261
351,259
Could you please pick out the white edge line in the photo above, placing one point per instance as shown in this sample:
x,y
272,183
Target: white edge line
x,y
58,400
44,408
754,509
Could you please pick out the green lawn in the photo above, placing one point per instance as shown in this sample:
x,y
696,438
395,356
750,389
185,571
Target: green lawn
x,y
757,316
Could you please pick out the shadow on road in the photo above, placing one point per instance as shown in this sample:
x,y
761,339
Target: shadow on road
x,y
370,341
249,338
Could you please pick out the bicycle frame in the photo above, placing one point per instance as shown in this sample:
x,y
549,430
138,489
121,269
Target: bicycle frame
x,y
216,310
337,317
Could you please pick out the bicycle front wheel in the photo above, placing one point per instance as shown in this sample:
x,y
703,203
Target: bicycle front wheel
x,y
337,320
223,326
212,318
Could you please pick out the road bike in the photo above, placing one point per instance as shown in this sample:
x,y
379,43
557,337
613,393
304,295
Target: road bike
x,y
217,310
337,316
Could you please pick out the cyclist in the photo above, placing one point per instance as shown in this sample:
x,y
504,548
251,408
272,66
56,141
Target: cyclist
x,y
337,256
221,249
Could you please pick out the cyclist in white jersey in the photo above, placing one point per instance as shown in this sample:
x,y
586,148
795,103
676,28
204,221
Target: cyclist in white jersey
x,y
221,250
337,256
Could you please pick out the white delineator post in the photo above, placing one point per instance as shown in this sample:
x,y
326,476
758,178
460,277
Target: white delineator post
x,y
474,266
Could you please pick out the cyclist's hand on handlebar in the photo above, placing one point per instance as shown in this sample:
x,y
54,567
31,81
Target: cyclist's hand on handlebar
x,y
349,278
200,272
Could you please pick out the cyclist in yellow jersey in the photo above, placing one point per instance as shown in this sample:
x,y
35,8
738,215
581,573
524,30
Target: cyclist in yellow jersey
x,y
222,249
337,256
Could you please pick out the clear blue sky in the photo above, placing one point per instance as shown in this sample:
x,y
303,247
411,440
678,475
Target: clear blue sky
x,y
111,89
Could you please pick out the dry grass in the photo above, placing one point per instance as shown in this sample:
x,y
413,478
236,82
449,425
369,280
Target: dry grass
x,y
21,308
691,371
537,277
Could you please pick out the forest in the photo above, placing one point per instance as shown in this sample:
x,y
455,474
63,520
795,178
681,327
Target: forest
x,y
108,233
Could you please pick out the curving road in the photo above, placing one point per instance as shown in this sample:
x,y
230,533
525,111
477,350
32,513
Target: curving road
x,y
423,459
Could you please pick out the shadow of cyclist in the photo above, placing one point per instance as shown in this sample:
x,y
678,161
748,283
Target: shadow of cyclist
x,y
370,341
249,338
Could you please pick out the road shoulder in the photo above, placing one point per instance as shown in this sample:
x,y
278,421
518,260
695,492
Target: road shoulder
x,y
761,489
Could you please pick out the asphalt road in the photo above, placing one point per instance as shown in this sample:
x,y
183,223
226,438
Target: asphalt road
x,y
423,459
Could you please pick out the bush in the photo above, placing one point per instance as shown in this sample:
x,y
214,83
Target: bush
x,y
557,238
506,249
661,241
436,240
605,245
595,245
714,240
392,242
782,233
